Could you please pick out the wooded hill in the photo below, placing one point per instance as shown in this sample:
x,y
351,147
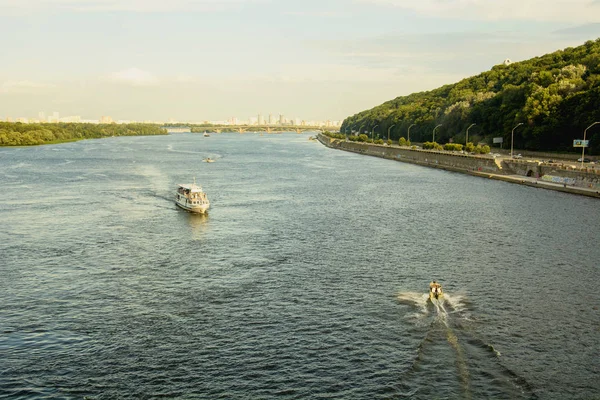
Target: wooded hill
x,y
18,134
555,96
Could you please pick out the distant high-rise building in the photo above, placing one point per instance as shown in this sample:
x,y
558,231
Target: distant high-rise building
x,y
106,119
281,119
72,118
261,119
54,117
271,119
42,116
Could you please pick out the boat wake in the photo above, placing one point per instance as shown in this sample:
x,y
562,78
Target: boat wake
x,y
202,153
452,353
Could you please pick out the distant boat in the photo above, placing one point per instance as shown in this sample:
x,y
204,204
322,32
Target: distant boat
x,y
190,197
206,134
435,290
208,159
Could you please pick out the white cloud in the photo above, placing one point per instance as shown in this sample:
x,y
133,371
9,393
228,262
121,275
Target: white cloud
x,y
12,6
354,74
318,14
573,11
134,77
24,87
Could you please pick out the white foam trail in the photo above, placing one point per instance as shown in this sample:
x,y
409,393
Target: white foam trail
x,y
19,165
458,302
170,148
158,180
442,314
415,299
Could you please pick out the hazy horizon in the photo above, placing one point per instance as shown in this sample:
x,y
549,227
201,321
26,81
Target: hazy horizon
x,y
218,59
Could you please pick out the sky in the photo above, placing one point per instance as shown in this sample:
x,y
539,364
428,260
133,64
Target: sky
x,y
195,60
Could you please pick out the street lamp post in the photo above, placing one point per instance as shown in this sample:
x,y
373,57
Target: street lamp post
x,y
373,131
434,132
583,148
408,138
512,138
359,129
467,139
389,131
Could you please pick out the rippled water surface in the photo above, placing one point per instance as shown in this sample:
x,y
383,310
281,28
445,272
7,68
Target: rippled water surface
x,y
307,279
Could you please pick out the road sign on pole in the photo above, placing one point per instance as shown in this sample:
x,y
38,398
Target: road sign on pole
x,y
581,143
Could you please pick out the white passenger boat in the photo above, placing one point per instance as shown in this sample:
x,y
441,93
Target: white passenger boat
x,y
206,134
190,197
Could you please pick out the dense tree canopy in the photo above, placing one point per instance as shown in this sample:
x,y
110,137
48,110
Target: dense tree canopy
x,y
18,134
555,96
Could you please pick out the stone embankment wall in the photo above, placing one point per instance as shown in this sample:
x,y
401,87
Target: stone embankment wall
x,y
453,162
551,176
553,172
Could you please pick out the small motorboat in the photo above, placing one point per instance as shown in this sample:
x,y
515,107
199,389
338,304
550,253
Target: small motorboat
x,y
208,159
206,134
435,290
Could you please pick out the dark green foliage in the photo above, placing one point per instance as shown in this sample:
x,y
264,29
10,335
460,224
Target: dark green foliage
x,y
485,149
432,146
453,147
555,96
18,134
334,135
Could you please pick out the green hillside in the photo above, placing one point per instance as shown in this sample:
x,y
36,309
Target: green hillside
x,y
555,96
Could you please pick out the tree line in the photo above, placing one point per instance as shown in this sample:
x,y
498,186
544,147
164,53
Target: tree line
x,y
554,97
19,134
362,138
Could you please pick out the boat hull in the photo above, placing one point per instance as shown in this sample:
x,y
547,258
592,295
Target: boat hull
x,y
198,209
433,296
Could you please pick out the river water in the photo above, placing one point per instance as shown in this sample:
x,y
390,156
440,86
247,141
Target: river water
x,y
307,279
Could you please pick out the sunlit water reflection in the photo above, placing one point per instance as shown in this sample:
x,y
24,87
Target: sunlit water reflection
x,y
307,278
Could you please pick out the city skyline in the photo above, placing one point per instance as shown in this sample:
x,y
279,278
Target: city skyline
x,y
259,119
214,60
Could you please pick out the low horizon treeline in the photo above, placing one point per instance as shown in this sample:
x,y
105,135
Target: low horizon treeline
x,y
548,101
19,134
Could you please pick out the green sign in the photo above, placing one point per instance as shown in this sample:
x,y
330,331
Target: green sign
x,y
580,143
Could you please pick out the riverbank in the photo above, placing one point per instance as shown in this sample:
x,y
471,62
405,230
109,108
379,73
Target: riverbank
x,y
530,173
19,134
